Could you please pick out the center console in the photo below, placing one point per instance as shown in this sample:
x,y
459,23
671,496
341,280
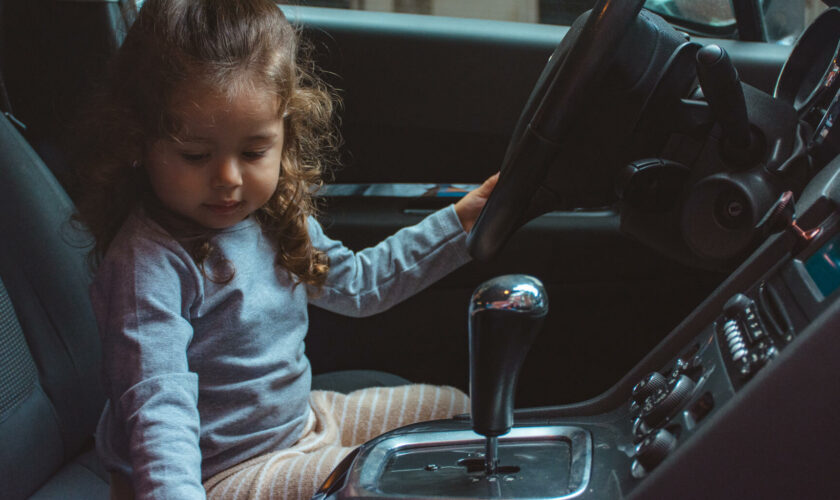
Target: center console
x,y
740,400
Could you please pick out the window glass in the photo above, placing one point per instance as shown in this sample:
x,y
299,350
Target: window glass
x,y
712,13
703,16
530,11
784,20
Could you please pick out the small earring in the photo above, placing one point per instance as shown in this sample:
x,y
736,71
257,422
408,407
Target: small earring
x,y
135,164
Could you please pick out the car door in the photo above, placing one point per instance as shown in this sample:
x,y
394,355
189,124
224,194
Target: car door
x,y
432,101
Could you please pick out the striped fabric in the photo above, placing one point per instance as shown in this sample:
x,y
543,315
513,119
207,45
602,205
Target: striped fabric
x,y
337,424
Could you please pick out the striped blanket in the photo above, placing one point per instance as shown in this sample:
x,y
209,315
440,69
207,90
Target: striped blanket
x,y
337,424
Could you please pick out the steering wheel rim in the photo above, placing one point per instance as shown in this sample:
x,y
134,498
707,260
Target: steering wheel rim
x,y
556,101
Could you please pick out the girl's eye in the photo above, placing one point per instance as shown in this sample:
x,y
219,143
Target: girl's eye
x,y
253,155
194,157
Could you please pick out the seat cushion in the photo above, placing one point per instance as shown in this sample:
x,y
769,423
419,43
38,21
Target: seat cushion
x,y
81,479
84,478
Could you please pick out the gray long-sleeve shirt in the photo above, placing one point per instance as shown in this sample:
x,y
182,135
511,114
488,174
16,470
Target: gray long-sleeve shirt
x,y
200,375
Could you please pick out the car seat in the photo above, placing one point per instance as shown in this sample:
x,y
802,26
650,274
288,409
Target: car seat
x,y
50,390
50,395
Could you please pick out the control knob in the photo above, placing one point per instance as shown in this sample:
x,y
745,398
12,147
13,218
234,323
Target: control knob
x,y
652,384
657,409
653,450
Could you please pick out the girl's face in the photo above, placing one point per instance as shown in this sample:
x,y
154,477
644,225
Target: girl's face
x,y
226,162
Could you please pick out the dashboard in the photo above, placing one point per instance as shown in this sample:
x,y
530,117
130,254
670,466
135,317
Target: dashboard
x,y
758,392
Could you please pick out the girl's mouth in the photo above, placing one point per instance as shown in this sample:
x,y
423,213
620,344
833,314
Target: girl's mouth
x,y
223,208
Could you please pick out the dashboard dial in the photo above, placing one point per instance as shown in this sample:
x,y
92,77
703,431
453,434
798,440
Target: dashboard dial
x,y
810,81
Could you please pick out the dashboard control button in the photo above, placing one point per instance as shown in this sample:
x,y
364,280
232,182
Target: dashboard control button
x,y
736,305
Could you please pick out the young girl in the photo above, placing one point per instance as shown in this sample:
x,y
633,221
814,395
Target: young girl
x,y
199,194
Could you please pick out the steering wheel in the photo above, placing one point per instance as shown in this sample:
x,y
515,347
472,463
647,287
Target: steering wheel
x,y
559,98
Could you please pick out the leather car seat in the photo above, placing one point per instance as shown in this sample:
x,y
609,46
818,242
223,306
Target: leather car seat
x,y
50,394
50,389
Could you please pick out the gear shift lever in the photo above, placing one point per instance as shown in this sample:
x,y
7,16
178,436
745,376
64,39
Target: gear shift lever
x,y
505,315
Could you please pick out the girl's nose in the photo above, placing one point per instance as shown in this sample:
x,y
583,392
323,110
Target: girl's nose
x,y
228,174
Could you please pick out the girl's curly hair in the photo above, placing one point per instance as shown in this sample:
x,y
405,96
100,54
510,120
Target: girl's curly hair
x,y
229,45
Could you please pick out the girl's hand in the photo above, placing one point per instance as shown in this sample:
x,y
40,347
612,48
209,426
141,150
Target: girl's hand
x,y
470,205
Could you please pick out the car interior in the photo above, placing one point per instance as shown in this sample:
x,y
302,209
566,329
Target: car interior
x,y
651,308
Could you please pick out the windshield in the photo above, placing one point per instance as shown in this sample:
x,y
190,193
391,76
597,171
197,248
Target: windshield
x,y
783,20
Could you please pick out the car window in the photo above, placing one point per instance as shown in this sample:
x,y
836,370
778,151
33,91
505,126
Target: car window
x,y
712,13
530,11
784,19
563,12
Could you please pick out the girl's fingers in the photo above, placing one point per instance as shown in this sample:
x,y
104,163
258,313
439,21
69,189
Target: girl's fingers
x,y
488,185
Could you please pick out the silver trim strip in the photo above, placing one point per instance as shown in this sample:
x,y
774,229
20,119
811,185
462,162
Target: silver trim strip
x,y
370,463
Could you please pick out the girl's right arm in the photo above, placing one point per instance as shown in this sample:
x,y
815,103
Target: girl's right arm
x,y
142,295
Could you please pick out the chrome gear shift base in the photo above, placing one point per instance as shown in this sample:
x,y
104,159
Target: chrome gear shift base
x,y
436,461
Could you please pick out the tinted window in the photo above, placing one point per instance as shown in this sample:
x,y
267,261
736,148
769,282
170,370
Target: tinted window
x,y
784,19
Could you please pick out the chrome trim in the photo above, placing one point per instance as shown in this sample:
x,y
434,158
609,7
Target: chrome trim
x,y
491,461
517,293
370,464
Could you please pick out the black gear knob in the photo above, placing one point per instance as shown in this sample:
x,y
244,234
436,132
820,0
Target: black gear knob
x,y
504,317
